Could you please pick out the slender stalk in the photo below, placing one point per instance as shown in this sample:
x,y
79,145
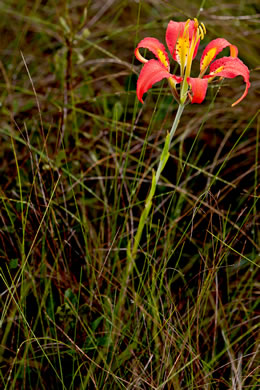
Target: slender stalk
x,y
132,251
176,121
163,160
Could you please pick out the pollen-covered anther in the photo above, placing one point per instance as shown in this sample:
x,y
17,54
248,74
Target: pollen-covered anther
x,y
204,28
196,23
186,27
201,32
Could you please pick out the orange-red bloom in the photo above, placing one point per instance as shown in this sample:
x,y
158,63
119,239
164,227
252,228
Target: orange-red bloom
x,y
183,39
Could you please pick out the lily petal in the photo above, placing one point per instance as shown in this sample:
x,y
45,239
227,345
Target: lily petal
x,y
211,51
156,47
199,89
175,31
230,67
152,72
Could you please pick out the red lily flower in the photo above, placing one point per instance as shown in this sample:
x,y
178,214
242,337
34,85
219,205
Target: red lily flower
x,y
183,40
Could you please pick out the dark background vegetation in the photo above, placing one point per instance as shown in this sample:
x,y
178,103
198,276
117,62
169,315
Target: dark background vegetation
x,y
76,154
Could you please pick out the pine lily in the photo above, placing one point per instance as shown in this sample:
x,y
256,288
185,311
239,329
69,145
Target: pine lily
x,y
183,40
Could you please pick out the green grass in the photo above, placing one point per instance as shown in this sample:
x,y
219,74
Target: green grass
x,y
77,153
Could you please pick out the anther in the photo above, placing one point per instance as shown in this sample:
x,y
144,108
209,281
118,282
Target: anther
x,y
186,25
201,32
204,28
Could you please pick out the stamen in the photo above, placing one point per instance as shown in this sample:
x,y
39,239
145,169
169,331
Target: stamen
x,y
201,32
204,28
196,23
186,26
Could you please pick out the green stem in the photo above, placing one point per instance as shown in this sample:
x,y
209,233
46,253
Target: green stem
x,y
176,121
132,251
148,203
